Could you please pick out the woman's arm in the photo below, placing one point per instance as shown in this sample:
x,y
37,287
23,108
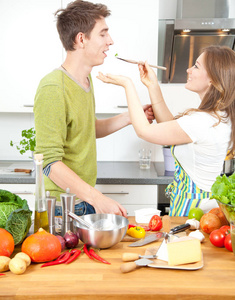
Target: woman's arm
x,y
149,79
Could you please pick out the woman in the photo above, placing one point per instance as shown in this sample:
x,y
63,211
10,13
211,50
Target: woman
x,y
201,137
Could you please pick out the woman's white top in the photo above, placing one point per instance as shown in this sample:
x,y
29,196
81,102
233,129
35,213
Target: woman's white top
x,y
203,159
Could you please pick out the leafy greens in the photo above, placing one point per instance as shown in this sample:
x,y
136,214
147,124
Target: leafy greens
x,y
15,215
223,189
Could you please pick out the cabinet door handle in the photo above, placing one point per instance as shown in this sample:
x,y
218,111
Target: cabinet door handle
x,y
114,193
23,192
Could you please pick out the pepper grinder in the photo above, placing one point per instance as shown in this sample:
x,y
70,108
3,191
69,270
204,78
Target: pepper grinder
x,y
50,202
68,204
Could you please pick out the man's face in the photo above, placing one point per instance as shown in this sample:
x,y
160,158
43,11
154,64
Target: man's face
x,y
97,44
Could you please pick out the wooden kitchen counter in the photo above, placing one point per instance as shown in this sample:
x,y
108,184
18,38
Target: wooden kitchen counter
x,y
87,279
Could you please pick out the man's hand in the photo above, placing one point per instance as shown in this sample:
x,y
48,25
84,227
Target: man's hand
x,y
148,110
106,205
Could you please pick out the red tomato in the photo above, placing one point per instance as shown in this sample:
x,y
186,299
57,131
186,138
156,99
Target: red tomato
x,y
146,228
217,238
228,242
225,229
155,223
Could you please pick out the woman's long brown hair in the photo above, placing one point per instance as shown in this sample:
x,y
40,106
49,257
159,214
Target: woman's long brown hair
x,y
220,96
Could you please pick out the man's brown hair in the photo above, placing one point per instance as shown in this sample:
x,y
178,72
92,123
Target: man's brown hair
x,y
78,16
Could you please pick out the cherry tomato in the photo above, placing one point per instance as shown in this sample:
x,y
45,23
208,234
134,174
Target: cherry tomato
x,y
217,238
228,242
155,223
225,229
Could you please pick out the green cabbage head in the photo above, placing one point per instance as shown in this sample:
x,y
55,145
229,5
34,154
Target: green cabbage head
x,y
15,215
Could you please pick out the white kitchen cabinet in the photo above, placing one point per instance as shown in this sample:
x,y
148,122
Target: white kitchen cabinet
x,y
132,197
30,48
24,191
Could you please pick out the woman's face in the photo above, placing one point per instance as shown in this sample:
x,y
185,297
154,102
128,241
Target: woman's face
x,y
198,80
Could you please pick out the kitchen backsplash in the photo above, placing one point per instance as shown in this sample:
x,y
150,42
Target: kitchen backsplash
x,y
120,146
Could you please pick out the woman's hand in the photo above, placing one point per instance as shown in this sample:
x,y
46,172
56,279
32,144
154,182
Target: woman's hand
x,y
147,75
114,79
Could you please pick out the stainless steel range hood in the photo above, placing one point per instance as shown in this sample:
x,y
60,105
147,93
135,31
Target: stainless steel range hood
x,y
197,24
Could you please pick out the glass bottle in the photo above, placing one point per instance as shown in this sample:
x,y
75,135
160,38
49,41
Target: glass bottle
x,y
41,216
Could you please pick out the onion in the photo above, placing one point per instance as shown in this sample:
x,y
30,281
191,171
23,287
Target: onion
x,y
71,239
62,242
218,212
209,222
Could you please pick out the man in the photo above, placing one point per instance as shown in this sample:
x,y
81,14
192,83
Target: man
x,y
65,122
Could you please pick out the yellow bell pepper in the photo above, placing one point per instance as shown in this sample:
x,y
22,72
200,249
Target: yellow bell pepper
x,y
136,232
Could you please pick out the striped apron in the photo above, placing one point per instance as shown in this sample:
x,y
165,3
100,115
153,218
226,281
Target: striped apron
x,y
183,192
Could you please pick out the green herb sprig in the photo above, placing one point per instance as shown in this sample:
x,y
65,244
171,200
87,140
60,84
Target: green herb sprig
x,y
28,142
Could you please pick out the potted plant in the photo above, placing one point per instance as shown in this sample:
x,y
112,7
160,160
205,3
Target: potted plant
x,y
28,142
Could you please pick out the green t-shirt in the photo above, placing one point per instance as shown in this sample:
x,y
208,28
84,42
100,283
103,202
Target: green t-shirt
x,y
64,115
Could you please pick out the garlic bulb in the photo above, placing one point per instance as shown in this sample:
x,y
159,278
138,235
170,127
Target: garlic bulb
x,y
194,224
198,235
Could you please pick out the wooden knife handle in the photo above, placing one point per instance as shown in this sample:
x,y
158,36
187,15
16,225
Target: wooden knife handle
x,y
166,223
128,267
23,170
130,256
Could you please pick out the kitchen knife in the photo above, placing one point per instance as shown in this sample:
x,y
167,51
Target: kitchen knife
x,y
130,266
156,236
135,256
149,239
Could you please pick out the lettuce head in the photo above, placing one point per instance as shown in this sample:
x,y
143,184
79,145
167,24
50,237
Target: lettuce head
x,y
15,215
223,189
